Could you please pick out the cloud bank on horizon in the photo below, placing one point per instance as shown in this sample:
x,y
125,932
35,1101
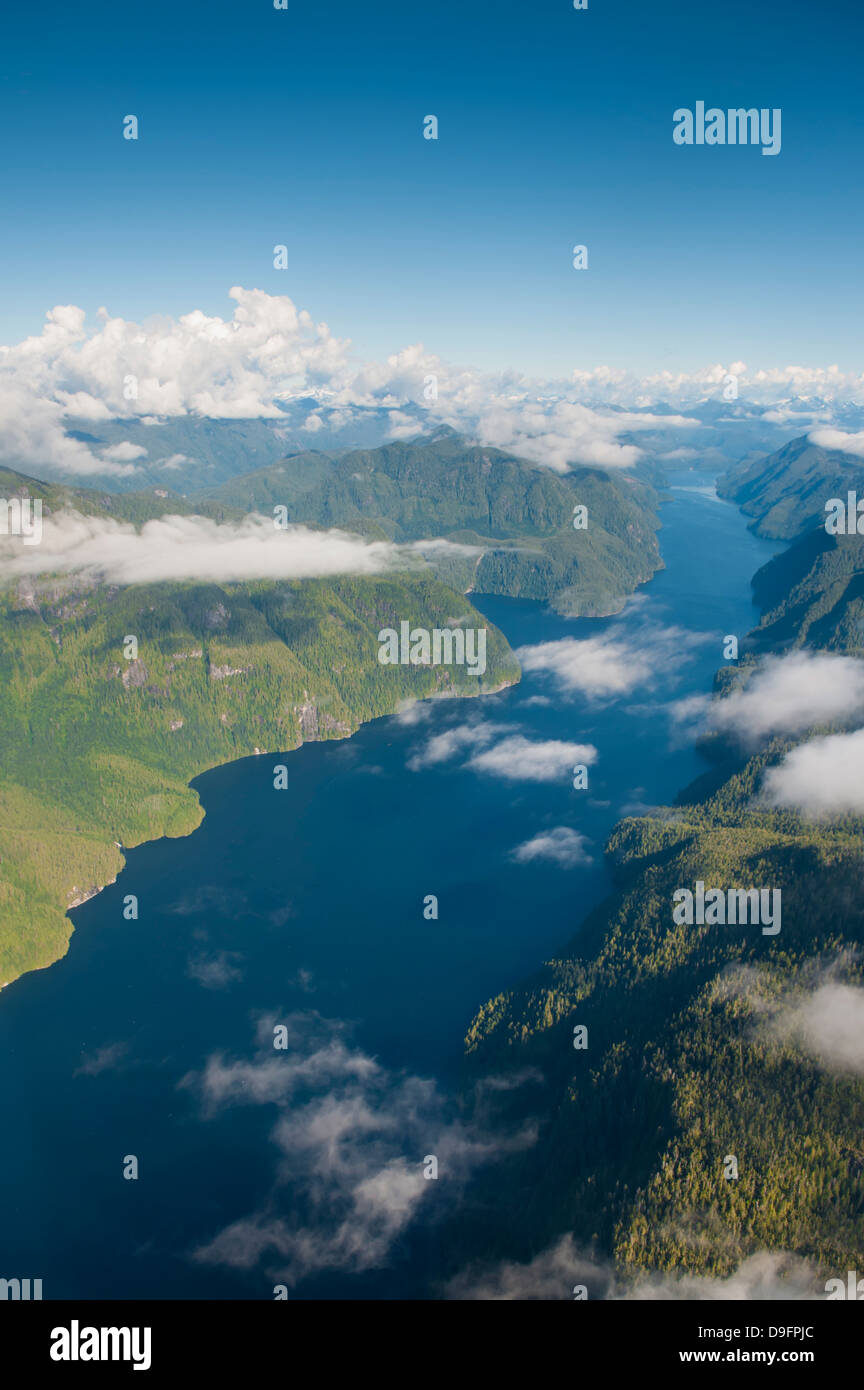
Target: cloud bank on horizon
x,y
270,353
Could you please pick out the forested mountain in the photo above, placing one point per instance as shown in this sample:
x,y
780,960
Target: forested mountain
x,y
102,749
99,748
521,516
692,1055
813,594
786,492
134,506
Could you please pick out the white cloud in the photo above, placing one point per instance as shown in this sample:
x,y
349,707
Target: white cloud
x,y
821,778
269,353
598,667
553,1274
498,750
756,386
124,453
785,695
349,1140
820,1013
828,1024
839,439
611,664
193,547
443,747
562,846
518,759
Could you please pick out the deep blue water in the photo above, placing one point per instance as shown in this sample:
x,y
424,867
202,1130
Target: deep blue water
x,y
306,904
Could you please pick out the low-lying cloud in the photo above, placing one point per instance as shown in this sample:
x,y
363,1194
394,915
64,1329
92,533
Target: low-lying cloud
x,y
784,695
563,846
498,750
176,548
821,778
351,1141
612,664
563,1271
839,439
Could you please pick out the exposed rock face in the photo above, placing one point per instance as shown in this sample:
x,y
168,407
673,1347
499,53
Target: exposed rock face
x,y
135,675
216,617
314,722
25,595
220,673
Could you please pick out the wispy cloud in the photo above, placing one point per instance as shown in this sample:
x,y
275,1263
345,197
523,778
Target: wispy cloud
x,y
497,749
216,970
194,547
556,1273
820,1011
107,1058
351,1140
784,695
613,664
562,846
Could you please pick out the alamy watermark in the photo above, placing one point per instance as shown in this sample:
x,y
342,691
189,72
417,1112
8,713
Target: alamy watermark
x,y
733,127
442,646
853,1289
728,907
846,518
20,1290
21,516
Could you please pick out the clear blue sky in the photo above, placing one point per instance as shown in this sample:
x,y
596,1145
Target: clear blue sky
x,y
303,127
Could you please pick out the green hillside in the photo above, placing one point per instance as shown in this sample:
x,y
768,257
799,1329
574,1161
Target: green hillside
x,y
683,1068
786,492
813,594
99,749
519,515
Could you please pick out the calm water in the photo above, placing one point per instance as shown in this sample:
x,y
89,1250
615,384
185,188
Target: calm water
x,y
306,905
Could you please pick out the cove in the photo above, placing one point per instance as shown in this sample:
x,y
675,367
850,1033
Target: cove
x,y
308,903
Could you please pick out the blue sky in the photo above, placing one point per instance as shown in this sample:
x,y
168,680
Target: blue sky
x,y
304,127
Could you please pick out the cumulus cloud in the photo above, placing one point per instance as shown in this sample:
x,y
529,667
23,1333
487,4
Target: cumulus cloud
x,y
350,1141
443,747
599,667
193,547
839,439
566,433
612,663
784,695
33,436
126,452
562,846
520,759
554,1274
269,353
498,750
821,778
